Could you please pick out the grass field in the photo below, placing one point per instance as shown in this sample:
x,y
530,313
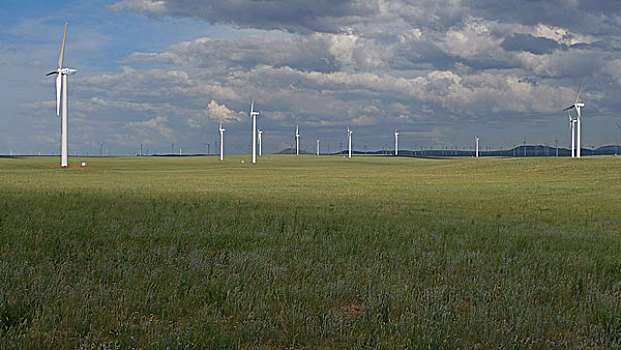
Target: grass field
x,y
311,252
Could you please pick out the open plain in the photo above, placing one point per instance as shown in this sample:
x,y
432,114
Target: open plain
x,y
311,252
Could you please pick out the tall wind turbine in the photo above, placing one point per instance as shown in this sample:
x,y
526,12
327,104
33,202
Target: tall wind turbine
x,y
317,146
577,106
61,92
253,115
297,141
221,142
396,143
349,132
476,141
260,142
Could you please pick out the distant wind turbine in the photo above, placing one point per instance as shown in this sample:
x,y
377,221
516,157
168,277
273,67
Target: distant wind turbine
x,y
221,141
297,141
577,106
253,115
476,141
317,146
619,127
396,143
61,92
349,132
260,142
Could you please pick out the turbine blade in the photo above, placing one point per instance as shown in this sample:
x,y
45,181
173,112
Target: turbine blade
x,y
62,49
58,91
51,73
252,107
579,89
569,108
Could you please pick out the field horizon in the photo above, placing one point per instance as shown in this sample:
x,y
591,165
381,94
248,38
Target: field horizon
x,y
311,252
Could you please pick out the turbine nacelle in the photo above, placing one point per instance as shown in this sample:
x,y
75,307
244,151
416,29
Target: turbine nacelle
x,y
575,105
68,71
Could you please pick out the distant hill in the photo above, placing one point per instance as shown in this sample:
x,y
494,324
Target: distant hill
x,y
519,151
292,151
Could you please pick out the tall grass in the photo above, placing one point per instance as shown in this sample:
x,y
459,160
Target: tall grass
x,y
311,252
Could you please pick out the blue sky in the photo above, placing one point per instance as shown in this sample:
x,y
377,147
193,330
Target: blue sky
x,y
168,71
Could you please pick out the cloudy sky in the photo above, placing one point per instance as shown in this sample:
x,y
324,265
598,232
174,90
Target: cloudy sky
x,y
164,72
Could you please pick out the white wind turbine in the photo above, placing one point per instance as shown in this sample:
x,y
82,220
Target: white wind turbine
x,y
577,106
297,141
349,132
260,142
476,142
396,143
317,146
61,92
253,115
221,141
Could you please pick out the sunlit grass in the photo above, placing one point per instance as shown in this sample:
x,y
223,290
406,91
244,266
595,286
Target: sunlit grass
x,y
311,252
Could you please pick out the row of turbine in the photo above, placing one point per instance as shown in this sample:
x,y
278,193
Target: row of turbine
x,y
61,110
254,114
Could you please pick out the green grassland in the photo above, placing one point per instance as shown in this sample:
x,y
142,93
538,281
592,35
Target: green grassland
x,y
311,252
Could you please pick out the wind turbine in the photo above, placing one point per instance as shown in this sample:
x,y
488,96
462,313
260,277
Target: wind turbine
x,y
317,146
396,143
253,115
221,142
577,106
61,91
349,132
297,141
476,142
260,142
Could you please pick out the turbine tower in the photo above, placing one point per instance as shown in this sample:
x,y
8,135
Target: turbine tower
x,y
260,142
577,106
619,127
253,115
572,125
221,142
297,141
349,132
476,142
61,92
396,143
317,146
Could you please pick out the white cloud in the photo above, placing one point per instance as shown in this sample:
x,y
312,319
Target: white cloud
x,y
216,112
153,130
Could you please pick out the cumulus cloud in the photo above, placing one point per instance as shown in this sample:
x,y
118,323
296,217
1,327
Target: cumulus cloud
x,y
153,130
316,52
326,64
294,15
216,112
